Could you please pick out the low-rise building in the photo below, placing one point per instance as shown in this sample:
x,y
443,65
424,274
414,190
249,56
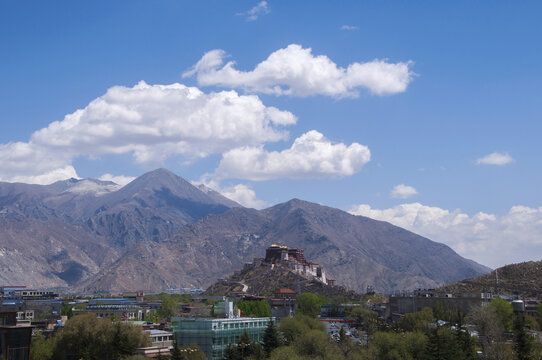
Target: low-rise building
x,y
14,340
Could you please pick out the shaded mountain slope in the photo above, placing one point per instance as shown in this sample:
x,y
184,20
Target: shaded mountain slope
x,y
356,251
64,233
524,279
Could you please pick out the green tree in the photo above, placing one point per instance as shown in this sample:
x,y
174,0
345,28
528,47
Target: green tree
x,y
254,308
504,312
270,338
41,348
89,338
309,304
66,309
168,308
523,342
365,318
293,328
316,344
417,321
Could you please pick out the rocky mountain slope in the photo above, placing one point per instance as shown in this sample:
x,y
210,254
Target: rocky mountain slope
x,y
355,250
64,233
160,231
524,279
262,280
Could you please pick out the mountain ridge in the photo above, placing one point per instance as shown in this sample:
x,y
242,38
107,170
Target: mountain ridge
x,y
161,231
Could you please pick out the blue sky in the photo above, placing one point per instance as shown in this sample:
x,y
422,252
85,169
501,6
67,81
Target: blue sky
x,y
405,137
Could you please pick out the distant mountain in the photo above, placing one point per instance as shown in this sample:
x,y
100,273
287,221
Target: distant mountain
x,y
523,279
356,251
66,232
160,231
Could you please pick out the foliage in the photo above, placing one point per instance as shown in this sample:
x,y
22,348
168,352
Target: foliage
x,y
309,304
417,321
168,308
293,328
440,312
270,338
245,349
523,342
447,344
66,309
254,308
89,338
285,353
316,344
41,348
365,318
389,345
504,312
180,298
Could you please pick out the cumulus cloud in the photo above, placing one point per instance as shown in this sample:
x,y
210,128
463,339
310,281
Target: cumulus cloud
x,y
310,156
49,177
486,238
294,70
244,195
152,122
495,158
240,193
349,27
119,179
252,15
403,191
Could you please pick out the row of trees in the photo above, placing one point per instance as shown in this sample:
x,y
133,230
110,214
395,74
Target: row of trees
x,y
87,337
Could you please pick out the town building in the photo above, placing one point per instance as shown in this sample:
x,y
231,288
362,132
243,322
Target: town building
x,y
213,335
124,309
14,340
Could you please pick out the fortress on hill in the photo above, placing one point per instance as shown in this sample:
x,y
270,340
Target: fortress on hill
x,y
293,259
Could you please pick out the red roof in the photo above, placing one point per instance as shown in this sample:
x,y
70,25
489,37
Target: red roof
x,y
285,291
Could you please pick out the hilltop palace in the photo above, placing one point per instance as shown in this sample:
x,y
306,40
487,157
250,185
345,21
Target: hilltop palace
x,y
293,259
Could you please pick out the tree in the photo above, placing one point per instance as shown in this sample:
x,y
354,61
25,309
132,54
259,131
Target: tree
x,y
293,328
504,312
309,304
87,337
523,342
168,308
491,332
41,348
270,338
417,321
254,308
364,317
66,309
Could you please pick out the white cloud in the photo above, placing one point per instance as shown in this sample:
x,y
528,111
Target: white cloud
x,y
152,122
403,191
486,238
119,179
48,177
240,193
261,9
311,155
296,71
244,195
349,27
495,158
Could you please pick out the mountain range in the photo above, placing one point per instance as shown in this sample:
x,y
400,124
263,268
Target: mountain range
x,y
160,231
